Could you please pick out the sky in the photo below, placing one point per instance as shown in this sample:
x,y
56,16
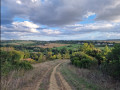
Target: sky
x,y
60,19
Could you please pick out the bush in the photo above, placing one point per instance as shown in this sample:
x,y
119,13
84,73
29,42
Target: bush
x,y
83,60
73,58
112,69
86,63
11,60
23,65
11,56
76,62
112,65
6,68
80,56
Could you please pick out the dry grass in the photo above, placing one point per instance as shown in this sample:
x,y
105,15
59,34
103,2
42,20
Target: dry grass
x,y
52,45
95,77
7,48
100,79
26,80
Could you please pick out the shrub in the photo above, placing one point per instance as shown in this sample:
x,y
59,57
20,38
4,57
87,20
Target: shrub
x,y
83,60
112,69
6,68
112,65
86,63
80,56
73,58
11,60
23,65
76,63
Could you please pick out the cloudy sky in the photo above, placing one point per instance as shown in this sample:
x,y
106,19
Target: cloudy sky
x,y
60,19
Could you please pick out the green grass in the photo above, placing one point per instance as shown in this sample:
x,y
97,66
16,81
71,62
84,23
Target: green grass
x,y
102,48
72,46
78,83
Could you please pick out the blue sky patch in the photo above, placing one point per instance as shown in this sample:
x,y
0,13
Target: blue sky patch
x,y
20,19
90,19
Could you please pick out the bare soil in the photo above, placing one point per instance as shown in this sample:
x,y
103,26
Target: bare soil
x,y
54,82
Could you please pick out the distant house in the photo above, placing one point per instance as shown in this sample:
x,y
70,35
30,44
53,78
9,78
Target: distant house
x,y
110,44
98,44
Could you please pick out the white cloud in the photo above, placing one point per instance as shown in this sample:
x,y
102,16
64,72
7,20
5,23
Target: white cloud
x,y
18,2
23,27
109,35
89,14
34,0
26,25
50,31
98,26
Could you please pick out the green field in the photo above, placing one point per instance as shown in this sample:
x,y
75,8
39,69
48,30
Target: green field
x,y
72,46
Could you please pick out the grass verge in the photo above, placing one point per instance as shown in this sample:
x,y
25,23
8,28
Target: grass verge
x,y
75,81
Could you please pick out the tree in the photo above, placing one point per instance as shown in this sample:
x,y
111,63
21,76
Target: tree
x,y
112,67
114,54
63,50
49,55
87,47
40,56
26,54
34,56
59,56
53,57
106,50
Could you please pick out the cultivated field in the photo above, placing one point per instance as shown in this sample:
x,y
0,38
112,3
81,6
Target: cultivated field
x,y
52,45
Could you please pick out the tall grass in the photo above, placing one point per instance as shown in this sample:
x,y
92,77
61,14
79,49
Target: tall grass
x,y
84,79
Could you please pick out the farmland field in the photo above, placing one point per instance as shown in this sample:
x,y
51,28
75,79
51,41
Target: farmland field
x,y
52,45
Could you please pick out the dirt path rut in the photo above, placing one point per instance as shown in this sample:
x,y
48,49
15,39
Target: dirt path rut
x,y
53,82
47,77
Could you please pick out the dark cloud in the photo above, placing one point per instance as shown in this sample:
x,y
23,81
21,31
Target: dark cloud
x,y
59,13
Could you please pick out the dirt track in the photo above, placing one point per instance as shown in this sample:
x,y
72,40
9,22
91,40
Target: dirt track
x,y
53,82
50,76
